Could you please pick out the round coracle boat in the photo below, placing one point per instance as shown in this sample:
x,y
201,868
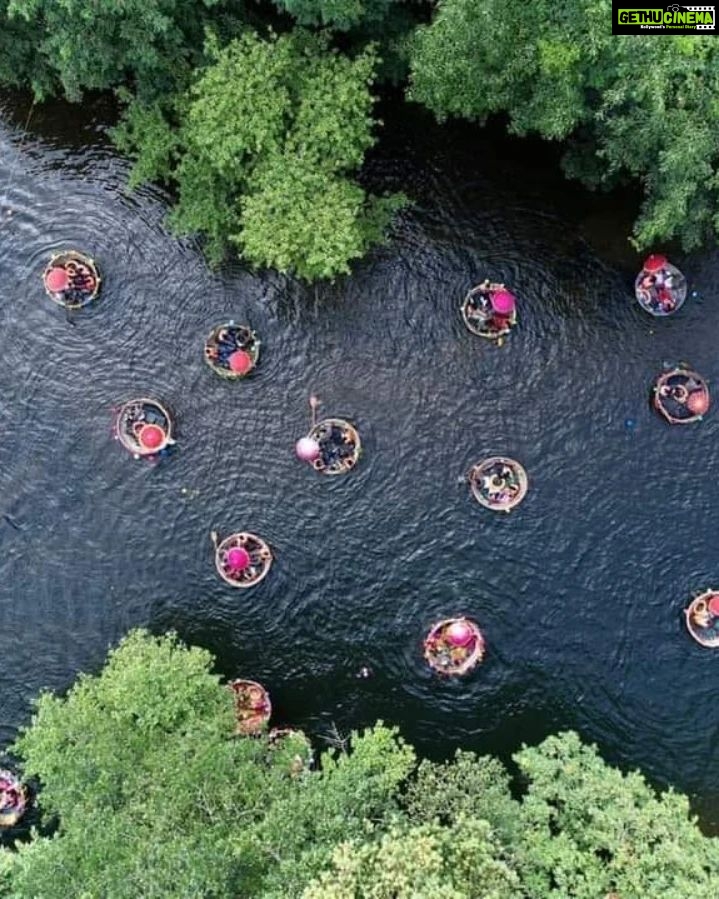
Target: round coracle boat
x,y
232,350
252,706
333,446
681,396
498,483
291,749
144,428
71,280
454,646
13,799
660,288
702,617
242,559
490,310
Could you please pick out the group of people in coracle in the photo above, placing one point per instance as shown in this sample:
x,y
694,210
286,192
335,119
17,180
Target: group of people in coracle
x,y
490,310
71,279
232,350
337,441
703,618
13,799
660,287
144,427
498,483
681,395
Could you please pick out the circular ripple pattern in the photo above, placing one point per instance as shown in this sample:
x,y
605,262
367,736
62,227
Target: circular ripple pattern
x,y
580,592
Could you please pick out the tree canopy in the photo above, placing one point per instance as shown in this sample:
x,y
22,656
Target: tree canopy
x,y
274,178
627,109
76,45
639,107
339,14
156,798
153,796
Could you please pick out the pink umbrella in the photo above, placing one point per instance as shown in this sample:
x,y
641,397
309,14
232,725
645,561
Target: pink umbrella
x,y
151,437
459,633
503,302
240,362
307,449
655,262
713,604
57,280
238,558
698,402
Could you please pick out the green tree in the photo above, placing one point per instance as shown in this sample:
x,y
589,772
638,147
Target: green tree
x,y
588,830
469,786
19,58
261,149
459,861
634,107
82,45
155,798
339,14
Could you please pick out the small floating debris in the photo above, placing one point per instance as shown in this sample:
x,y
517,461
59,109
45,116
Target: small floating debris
x,y
681,395
71,280
242,559
332,446
454,646
232,350
660,288
13,799
253,708
703,618
490,310
498,483
144,428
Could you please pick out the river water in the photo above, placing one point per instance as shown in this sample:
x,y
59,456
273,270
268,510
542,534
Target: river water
x,y
580,591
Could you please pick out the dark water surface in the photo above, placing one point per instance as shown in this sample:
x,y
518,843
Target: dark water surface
x,y
580,591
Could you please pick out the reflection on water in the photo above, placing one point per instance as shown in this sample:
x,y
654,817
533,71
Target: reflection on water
x,y
579,591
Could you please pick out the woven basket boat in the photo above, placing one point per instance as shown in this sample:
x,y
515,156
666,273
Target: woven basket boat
x,y
445,656
340,446
498,483
478,316
140,419
13,799
79,268
681,396
259,564
702,618
253,708
228,342
665,299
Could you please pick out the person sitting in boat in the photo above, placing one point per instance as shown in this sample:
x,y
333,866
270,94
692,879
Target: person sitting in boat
x,y
12,796
83,280
494,484
510,480
479,305
701,616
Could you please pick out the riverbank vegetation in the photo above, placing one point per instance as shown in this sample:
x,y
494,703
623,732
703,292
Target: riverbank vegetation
x,y
145,792
276,177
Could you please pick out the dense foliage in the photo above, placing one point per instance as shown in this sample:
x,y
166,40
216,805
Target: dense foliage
x,y
272,178
639,106
339,14
78,45
155,798
282,191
